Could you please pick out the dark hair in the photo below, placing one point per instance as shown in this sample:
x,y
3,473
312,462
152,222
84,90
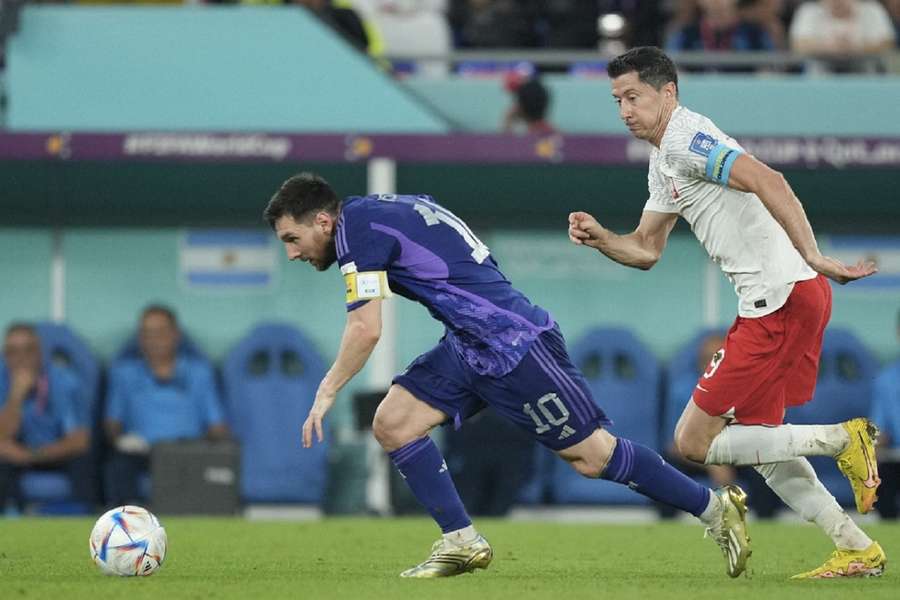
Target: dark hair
x,y
160,309
22,326
652,65
533,100
300,196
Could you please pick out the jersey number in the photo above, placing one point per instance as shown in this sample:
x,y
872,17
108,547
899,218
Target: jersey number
x,y
551,419
434,216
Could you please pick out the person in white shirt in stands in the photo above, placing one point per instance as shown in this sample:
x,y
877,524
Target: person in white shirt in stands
x,y
753,226
841,33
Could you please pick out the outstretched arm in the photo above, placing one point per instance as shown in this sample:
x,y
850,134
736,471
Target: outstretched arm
x,y
361,333
750,175
639,249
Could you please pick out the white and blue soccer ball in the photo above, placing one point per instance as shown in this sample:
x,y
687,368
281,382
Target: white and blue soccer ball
x,y
128,541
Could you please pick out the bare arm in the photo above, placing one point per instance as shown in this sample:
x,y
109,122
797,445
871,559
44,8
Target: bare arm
x,y
361,334
21,382
640,249
72,445
750,175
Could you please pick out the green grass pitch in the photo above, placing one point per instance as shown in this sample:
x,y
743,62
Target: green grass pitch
x,y
360,559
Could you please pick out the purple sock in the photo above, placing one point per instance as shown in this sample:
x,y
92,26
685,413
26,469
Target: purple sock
x,y
422,466
645,471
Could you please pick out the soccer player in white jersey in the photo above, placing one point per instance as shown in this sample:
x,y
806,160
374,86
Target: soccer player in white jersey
x,y
753,226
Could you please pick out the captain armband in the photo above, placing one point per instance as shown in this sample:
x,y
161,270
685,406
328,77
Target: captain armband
x,y
367,285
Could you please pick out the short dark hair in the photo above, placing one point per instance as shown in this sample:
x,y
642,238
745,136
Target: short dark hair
x,y
649,62
533,100
160,309
23,326
300,196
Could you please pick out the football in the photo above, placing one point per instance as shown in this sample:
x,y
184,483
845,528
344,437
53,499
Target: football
x,y
128,541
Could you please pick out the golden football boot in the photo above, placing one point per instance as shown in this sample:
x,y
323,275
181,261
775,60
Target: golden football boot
x,y
731,531
447,559
850,563
857,462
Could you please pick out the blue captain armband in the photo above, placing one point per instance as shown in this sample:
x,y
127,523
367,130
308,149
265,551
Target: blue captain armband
x,y
719,162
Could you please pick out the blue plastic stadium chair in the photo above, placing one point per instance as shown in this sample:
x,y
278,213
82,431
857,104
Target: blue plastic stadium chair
x,y
624,378
270,380
681,376
847,370
538,489
62,346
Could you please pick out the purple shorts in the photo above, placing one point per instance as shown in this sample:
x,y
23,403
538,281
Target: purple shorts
x,y
545,394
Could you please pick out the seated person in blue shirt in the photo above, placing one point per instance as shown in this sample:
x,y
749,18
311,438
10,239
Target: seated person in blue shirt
x,y
886,414
43,418
161,395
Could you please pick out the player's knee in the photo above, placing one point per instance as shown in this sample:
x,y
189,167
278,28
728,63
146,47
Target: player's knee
x,y
388,429
691,447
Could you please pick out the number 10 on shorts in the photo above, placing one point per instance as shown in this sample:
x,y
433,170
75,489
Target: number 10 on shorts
x,y
549,419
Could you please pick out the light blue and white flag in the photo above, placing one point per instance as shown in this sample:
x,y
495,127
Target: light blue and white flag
x,y
227,259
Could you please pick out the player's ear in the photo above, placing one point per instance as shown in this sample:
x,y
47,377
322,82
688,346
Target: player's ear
x,y
325,221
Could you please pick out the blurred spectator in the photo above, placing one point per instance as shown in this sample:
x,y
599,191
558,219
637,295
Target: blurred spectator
x,y
43,418
412,26
841,32
886,414
493,23
531,101
720,26
160,396
765,503
569,23
490,460
767,14
344,20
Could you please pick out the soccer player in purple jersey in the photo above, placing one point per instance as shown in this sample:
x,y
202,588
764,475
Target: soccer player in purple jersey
x,y
498,349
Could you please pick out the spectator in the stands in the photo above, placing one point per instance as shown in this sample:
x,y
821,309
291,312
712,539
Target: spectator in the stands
x,y
886,414
43,418
528,111
842,33
569,23
768,15
494,23
158,396
411,26
720,26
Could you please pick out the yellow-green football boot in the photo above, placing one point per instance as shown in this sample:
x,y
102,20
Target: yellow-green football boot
x,y
857,462
447,559
850,563
730,533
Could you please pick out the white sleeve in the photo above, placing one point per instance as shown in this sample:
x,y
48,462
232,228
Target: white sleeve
x,y
876,23
803,25
660,199
696,154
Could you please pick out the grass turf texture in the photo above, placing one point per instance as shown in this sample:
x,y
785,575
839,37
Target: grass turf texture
x,y
361,558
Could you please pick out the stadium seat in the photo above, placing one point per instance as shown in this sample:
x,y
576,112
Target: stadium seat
x,y
62,346
681,376
270,379
624,377
847,370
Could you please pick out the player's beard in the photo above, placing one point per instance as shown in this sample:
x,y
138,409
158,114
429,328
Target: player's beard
x,y
329,256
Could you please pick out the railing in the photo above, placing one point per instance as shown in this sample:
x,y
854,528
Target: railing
x,y
695,59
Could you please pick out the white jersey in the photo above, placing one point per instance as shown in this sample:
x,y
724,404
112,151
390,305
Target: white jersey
x,y
688,176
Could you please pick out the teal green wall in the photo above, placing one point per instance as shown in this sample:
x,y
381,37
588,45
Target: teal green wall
x,y
200,68
112,273
738,104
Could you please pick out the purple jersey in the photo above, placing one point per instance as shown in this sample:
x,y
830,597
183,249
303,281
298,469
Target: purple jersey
x,y
432,257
